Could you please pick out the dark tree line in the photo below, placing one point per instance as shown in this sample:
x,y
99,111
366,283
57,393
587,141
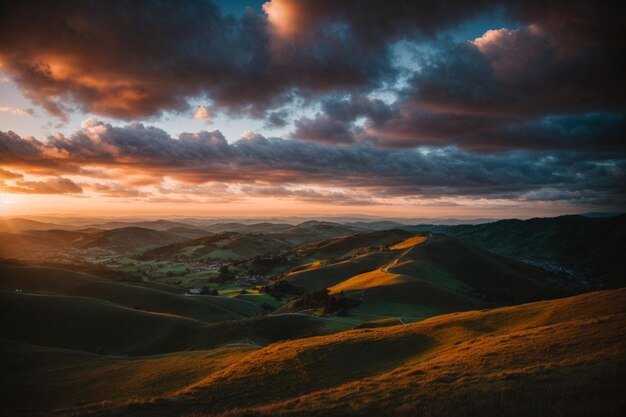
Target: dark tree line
x,y
330,304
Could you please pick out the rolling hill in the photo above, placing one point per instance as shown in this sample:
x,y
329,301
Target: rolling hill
x,y
16,225
552,358
416,276
160,225
126,239
63,283
44,245
592,247
347,245
226,245
72,310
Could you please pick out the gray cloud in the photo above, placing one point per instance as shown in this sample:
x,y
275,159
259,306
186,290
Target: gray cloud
x,y
197,158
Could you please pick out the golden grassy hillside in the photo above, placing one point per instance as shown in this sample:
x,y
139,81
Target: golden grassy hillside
x,y
550,358
417,277
409,243
45,378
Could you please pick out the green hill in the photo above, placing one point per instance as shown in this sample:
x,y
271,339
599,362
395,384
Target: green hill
x,y
318,275
61,282
126,239
226,246
551,358
418,277
309,231
592,247
97,326
53,244
348,245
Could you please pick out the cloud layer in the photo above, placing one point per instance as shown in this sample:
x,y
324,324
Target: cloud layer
x,y
380,99
148,156
129,60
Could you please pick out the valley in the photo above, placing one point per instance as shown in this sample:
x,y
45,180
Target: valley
x,y
338,316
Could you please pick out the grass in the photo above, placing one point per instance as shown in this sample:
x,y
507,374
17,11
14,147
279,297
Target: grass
x,y
141,297
60,378
227,245
483,362
434,275
376,278
97,326
331,274
261,298
394,310
408,243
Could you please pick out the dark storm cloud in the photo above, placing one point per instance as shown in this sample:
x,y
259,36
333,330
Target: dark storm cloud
x,y
510,89
203,157
525,71
535,111
324,128
369,22
505,90
129,59
277,119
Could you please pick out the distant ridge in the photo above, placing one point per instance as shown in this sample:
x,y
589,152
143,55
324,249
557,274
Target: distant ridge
x,y
593,247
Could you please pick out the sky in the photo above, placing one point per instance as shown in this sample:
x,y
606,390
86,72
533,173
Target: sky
x,y
489,109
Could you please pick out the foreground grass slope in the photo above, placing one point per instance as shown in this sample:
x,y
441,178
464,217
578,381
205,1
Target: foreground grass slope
x,y
45,378
62,282
550,358
95,326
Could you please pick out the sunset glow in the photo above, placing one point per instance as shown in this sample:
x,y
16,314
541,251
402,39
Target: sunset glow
x,y
297,125
300,208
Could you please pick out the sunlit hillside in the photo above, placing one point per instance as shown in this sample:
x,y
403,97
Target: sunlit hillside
x,y
567,355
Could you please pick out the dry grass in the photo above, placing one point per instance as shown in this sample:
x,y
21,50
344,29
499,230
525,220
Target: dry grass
x,y
479,363
43,378
376,278
409,243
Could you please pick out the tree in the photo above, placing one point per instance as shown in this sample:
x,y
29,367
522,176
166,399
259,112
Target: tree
x,y
225,274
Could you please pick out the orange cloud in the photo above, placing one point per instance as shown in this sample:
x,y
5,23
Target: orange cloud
x,y
57,185
8,175
284,16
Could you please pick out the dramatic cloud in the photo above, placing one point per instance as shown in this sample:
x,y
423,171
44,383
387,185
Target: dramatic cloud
x,y
509,89
206,157
375,100
308,195
136,59
129,59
